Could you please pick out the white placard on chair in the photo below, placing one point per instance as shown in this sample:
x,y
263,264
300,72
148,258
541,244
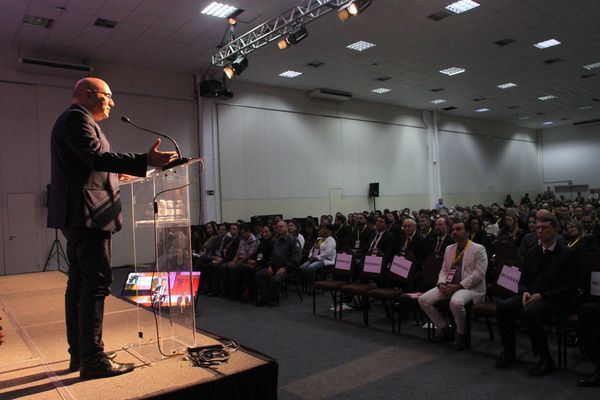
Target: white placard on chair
x,y
373,264
509,278
343,261
401,266
595,284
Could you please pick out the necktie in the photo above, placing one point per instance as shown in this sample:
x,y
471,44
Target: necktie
x,y
438,245
375,241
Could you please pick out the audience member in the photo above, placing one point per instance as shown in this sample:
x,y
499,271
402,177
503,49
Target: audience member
x,y
231,272
322,253
260,260
462,280
294,230
228,252
546,289
285,259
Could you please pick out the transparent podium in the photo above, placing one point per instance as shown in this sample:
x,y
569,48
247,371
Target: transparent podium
x,y
163,284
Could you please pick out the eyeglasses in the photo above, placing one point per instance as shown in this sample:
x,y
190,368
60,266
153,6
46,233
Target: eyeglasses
x,y
107,95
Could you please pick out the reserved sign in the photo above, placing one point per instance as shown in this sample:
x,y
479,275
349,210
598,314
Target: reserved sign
x,y
373,264
401,266
343,261
509,278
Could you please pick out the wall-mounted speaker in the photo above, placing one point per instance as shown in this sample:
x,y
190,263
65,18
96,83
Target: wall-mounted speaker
x,y
374,189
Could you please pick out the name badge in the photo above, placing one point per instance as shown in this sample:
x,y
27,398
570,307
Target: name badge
x,y
450,275
259,257
357,244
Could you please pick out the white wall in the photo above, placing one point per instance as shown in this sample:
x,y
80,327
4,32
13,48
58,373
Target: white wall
x,y
483,161
283,152
29,105
572,153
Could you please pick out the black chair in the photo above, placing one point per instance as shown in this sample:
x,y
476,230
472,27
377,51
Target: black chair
x,y
342,273
398,281
371,280
409,301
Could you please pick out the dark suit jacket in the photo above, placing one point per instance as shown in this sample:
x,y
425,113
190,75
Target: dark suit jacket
x,y
553,275
432,243
385,246
417,247
84,189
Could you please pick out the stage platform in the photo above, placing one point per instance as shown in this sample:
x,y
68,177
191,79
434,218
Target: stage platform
x,y
34,360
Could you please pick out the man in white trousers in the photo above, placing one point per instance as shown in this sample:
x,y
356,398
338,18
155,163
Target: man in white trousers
x,y
462,280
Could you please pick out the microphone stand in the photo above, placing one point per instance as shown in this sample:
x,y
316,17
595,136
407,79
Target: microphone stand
x,y
175,163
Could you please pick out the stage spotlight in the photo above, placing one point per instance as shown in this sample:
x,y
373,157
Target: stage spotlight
x,y
353,9
236,67
293,38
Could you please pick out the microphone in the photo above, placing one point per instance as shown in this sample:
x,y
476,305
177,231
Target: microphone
x,y
179,161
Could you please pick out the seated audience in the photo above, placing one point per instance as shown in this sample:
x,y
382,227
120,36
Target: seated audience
x,y
546,289
260,260
476,232
462,280
510,230
425,229
231,272
342,233
322,254
294,230
228,252
437,244
285,259
490,225
411,242
211,253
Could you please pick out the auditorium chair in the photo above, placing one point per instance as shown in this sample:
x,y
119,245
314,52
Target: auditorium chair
x,y
366,282
424,281
393,287
341,277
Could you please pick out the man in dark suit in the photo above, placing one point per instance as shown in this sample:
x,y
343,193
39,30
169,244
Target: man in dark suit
x,y
438,243
84,202
381,241
412,242
546,289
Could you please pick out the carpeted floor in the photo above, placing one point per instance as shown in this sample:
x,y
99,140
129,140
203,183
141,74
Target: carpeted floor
x,y
323,358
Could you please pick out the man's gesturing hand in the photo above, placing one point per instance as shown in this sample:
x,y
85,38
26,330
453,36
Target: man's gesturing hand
x,y
159,158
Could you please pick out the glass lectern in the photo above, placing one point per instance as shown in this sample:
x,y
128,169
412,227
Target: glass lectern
x,y
163,284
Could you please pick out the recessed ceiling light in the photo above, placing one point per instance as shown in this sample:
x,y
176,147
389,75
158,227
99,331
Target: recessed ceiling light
x,y
452,71
583,108
438,101
290,74
548,123
547,97
547,43
507,85
360,46
462,6
381,90
216,9
592,66
34,20
482,110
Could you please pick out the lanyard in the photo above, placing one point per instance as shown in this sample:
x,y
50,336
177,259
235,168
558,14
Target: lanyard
x,y
574,242
360,233
459,256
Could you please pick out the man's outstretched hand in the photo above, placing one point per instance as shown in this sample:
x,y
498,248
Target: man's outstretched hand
x,y
159,158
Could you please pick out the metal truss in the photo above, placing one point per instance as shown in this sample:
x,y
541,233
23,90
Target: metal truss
x,y
303,13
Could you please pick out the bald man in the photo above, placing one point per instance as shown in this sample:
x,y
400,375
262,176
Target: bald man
x,y
84,202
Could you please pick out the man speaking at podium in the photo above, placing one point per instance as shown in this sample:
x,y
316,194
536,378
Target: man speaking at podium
x,y
84,202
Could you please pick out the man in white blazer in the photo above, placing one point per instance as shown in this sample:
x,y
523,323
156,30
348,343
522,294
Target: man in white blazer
x,y
462,280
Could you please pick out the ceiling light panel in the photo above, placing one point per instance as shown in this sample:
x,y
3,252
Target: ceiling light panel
x,y
290,74
480,110
592,66
219,10
452,71
381,90
438,101
462,6
547,43
547,97
360,46
507,85
548,123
